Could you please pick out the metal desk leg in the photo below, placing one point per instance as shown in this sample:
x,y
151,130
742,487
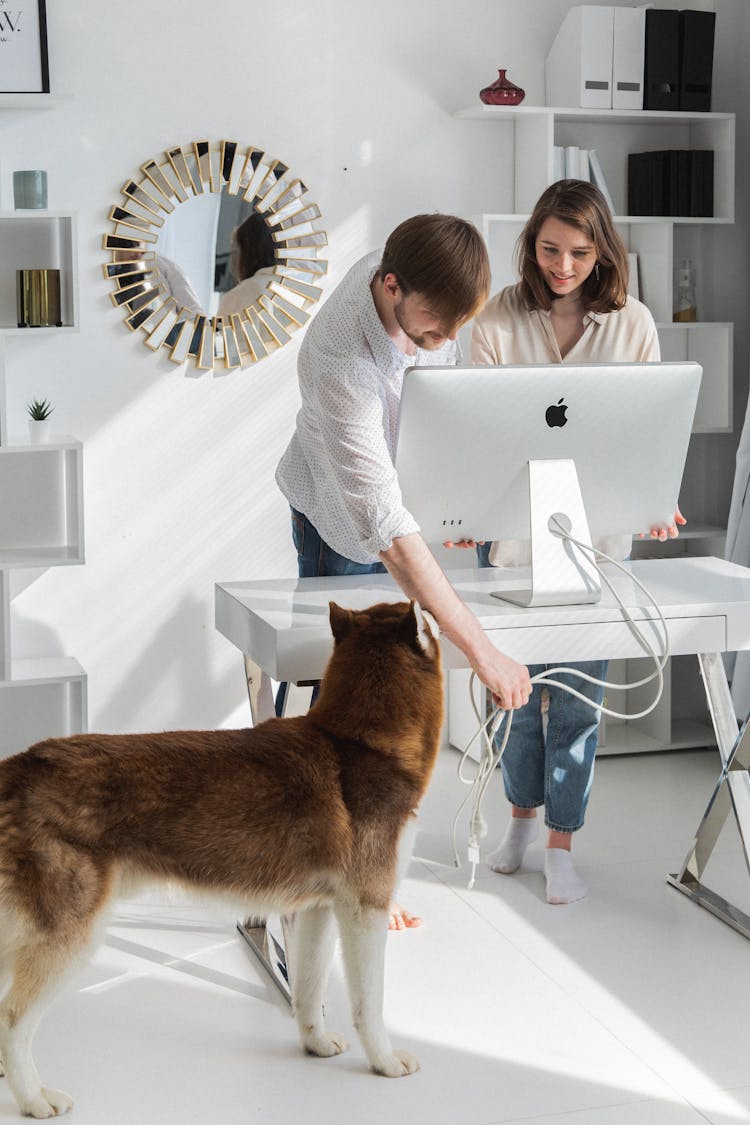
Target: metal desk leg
x,y
270,941
270,938
731,794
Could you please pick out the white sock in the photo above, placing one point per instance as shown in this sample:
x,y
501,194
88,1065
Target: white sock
x,y
508,857
563,884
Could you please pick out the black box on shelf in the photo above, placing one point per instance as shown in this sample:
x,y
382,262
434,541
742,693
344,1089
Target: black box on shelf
x,y
702,182
696,60
676,182
661,68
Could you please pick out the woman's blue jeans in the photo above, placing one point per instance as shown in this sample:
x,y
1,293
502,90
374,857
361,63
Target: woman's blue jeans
x,y
556,770
315,559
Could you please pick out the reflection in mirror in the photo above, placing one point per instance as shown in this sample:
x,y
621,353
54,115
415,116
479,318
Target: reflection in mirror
x,y
214,254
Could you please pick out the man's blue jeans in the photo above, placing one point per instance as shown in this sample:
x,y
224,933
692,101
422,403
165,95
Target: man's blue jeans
x,y
315,559
556,771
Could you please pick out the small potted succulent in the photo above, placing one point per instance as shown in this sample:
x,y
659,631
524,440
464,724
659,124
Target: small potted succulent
x,y
39,410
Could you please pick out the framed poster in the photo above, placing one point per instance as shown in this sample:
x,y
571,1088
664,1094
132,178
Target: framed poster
x,y
24,64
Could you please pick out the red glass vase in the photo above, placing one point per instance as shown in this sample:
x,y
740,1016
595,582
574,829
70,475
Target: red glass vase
x,y
502,92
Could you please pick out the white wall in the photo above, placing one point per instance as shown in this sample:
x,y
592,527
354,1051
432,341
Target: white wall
x,y
179,485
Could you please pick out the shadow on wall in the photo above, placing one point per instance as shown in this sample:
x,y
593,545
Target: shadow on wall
x,y
173,677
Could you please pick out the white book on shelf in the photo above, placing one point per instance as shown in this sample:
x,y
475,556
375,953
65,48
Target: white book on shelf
x,y
597,178
583,164
634,288
572,163
558,163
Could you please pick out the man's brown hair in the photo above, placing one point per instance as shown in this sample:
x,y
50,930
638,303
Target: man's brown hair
x,y
444,259
583,206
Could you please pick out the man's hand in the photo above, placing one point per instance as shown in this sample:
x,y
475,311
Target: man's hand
x,y
508,680
415,570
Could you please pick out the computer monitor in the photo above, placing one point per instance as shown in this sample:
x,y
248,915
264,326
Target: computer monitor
x,y
468,434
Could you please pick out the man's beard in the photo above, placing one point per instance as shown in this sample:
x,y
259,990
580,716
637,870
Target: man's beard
x,y
423,342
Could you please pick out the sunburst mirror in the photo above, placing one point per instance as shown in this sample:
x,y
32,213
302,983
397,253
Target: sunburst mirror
x,y
180,271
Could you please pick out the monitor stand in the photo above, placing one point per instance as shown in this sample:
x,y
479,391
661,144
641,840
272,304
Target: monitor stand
x,y
560,573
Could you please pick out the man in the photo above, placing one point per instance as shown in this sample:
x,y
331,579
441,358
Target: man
x,y
391,311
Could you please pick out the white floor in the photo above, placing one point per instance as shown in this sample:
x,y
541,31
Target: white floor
x,y
631,1007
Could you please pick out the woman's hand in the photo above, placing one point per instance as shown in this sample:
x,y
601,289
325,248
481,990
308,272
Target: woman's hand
x,y
664,533
466,544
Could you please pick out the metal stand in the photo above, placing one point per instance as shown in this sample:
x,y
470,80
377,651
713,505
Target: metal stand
x,y
270,938
560,573
731,794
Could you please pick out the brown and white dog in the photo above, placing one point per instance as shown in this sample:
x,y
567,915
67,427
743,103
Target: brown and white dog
x,y
300,815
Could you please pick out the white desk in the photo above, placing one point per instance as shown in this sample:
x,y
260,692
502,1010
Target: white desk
x,y
281,628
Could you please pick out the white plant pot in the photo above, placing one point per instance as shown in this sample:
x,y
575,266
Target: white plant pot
x,y
39,432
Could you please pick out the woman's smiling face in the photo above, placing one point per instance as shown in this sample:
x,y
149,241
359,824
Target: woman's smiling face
x,y
565,255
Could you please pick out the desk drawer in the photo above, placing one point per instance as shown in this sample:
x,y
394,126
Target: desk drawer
x,y
605,640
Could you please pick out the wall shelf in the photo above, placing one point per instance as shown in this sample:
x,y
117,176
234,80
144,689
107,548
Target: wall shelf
x,y
613,133
40,699
38,240
41,504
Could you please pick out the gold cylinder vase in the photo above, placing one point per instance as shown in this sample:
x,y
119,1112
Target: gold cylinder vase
x,y
38,298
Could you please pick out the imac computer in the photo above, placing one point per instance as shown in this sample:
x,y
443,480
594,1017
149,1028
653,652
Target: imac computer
x,y
490,453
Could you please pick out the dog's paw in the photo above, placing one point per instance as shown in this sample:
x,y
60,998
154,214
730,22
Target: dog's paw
x,y
324,1044
397,1065
48,1103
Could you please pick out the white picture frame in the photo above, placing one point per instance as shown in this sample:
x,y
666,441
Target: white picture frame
x,y
24,60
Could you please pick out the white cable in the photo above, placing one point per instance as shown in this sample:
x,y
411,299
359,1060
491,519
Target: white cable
x,y
488,762
490,757
660,661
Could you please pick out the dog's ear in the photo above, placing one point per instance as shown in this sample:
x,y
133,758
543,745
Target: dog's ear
x,y
417,627
428,630
341,621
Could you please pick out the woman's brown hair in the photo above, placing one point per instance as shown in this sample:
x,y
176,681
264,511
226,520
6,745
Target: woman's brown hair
x,y
582,206
444,259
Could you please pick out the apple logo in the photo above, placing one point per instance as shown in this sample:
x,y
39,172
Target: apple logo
x,y
555,415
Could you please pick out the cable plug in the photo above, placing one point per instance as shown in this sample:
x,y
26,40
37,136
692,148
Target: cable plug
x,y
479,826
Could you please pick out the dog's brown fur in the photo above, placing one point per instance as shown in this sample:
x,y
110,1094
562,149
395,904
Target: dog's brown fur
x,y
295,815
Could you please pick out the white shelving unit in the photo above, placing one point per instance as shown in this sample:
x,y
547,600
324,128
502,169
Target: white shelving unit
x,y
41,525
41,486
528,135
680,722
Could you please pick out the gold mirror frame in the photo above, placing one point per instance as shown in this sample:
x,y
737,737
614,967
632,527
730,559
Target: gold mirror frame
x,y
140,290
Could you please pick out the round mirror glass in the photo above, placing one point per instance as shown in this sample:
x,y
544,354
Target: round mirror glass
x,y
214,254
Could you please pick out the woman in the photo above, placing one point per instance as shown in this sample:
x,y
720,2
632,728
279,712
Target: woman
x,y
252,264
570,306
